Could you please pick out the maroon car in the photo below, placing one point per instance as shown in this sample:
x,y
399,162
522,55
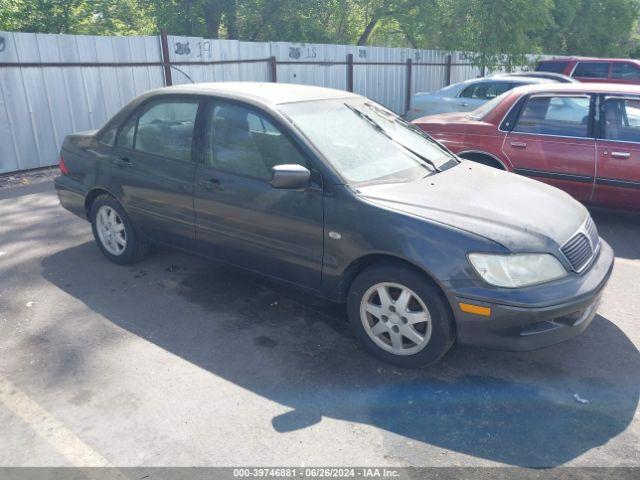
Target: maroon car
x,y
581,138
610,70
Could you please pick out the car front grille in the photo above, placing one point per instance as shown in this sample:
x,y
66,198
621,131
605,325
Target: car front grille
x,y
582,247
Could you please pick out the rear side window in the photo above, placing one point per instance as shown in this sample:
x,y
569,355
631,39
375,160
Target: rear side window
x,y
621,119
486,90
592,70
108,136
561,116
470,91
127,133
166,128
555,67
625,71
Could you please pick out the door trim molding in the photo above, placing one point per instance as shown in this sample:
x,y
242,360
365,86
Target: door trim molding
x,y
611,182
555,175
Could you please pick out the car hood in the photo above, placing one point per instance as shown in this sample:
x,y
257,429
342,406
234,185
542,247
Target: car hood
x,y
521,214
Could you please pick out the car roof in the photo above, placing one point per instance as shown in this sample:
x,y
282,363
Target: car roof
x,y
505,78
580,88
591,59
263,92
520,78
559,77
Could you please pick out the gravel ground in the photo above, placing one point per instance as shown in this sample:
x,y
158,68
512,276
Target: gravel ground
x,y
29,177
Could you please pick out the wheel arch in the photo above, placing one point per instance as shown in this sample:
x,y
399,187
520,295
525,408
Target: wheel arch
x,y
94,193
362,263
491,158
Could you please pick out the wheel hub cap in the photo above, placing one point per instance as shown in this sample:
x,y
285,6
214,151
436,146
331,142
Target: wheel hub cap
x,y
111,230
395,318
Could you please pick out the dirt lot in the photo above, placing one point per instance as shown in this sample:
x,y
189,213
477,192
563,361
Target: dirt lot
x,y
177,361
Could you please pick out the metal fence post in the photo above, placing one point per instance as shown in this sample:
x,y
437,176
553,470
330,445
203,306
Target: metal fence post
x,y
447,72
164,43
407,100
350,72
273,65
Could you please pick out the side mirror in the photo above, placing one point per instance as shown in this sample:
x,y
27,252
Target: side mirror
x,y
291,177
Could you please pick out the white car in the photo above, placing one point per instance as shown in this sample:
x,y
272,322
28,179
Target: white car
x,y
466,96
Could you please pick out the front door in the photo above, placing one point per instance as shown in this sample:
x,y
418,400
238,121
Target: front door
x,y
618,151
551,141
240,218
152,164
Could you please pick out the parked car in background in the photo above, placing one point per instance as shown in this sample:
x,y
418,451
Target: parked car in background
x,y
582,138
584,69
465,96
558,77
331,193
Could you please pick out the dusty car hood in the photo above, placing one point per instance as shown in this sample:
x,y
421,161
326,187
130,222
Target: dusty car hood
x,y
521,214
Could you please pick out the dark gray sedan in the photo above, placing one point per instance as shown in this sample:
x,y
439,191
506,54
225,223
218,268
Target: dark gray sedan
x,y
331,193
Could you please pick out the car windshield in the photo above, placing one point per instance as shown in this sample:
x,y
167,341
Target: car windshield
x,y
367,143
482,111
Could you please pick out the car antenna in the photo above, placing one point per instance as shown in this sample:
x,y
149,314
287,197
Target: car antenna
x,y
182,72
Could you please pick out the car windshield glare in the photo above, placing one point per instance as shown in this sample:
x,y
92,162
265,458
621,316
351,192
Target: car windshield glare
x,y
482,111
366,143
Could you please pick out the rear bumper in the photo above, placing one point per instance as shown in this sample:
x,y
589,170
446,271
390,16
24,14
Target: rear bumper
x,y
521,327
71,195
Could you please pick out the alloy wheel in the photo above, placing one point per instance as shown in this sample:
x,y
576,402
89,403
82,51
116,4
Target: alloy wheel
x,y
396,318
111,230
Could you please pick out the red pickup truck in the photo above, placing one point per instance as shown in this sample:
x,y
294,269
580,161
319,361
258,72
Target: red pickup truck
x,y
581,138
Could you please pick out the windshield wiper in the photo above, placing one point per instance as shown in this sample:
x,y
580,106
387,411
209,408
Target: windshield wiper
x,y
410,126
381,129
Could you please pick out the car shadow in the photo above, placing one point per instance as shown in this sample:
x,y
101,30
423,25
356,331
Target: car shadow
x,y
523,409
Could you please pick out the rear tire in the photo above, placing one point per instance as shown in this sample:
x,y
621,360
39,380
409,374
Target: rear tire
x,y
114,233
411,326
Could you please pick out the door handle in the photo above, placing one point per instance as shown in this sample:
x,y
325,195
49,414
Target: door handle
x,y
518,145
621,155
464,104
123,162
210,184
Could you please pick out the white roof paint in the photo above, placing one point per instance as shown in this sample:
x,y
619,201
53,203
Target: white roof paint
x,y
271,93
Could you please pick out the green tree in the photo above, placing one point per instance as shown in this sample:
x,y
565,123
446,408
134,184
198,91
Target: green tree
x,y
494,32
602,28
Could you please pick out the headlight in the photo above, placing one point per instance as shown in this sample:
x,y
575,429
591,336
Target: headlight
x,y
517,270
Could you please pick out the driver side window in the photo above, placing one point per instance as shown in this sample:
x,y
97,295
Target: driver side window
x,y
242,141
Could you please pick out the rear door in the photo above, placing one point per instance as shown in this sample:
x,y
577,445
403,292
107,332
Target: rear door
x,y
618,153
240,217
551,141
152,166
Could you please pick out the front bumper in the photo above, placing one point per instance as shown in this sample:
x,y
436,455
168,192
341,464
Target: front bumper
x,y
535,317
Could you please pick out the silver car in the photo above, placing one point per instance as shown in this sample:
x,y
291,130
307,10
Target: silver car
x,y
466,96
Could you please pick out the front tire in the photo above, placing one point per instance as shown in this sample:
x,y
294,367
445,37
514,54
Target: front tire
x,y
114,232
400,316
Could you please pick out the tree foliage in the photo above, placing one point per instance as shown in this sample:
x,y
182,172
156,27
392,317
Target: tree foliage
x,y
492,31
